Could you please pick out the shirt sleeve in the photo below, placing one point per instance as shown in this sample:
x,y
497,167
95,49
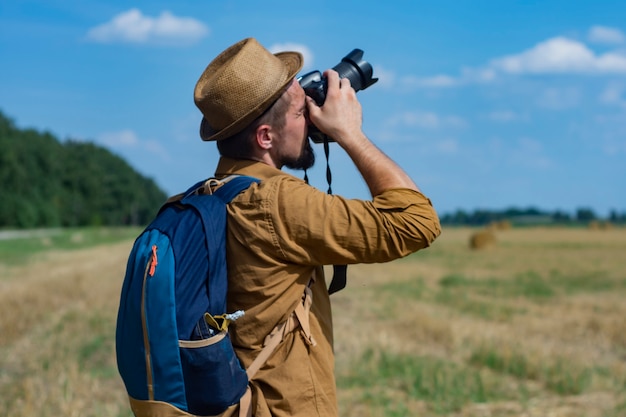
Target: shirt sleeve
x,y
310,226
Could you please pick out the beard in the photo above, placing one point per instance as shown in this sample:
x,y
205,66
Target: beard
x,y
306,159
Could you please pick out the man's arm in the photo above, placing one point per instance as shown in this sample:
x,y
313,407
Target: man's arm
x,y
341,118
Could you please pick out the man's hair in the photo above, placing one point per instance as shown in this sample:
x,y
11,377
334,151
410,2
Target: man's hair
x,y
240,145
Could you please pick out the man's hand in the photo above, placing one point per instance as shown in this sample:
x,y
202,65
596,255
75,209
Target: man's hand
x,y
341,118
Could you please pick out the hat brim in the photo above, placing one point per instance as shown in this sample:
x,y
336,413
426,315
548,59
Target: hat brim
x,y
293,61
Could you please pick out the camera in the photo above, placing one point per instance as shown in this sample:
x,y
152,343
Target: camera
x,y
352,67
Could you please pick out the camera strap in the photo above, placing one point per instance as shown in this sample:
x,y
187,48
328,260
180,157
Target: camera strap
x,y
329,175
340,272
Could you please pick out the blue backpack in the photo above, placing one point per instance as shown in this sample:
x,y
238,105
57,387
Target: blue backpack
x,y
172,343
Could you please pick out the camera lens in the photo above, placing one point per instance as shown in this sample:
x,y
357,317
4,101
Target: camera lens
x,y
358,71
352,67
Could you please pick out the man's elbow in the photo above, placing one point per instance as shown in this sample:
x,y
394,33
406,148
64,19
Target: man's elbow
x,y
426,228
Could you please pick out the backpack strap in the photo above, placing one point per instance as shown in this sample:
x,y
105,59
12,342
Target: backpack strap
x,y
207,186
298,318
230,187
207,207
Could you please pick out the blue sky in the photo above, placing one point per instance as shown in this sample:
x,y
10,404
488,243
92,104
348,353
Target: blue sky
x,y
487,104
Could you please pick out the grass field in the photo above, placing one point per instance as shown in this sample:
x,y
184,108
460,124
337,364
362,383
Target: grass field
x,y
534,326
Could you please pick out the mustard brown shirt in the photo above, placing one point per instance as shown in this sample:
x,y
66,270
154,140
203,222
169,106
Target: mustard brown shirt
x,y
279,232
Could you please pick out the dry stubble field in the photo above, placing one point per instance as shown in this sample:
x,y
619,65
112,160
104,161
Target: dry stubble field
x,y
534,326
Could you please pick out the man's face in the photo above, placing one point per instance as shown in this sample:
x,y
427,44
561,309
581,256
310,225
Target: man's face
x,y
294,148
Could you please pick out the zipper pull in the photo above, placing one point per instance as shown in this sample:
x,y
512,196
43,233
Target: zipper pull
x,y
153,261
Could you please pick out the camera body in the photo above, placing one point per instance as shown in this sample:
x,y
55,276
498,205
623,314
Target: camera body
x,y
315,85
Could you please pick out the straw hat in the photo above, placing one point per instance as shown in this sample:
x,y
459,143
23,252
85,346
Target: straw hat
x,y
239,85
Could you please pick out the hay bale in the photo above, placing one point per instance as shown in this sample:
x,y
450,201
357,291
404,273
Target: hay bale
x,y
482,239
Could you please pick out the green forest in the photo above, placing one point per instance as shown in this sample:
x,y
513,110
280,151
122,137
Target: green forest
x,y
49,183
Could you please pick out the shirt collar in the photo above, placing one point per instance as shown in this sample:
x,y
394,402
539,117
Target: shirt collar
x,y
260,170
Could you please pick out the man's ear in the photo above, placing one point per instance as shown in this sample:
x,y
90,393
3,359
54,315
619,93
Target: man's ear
x,y
264,136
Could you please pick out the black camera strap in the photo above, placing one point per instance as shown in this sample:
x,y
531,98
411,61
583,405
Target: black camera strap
x,y
340,272
329,175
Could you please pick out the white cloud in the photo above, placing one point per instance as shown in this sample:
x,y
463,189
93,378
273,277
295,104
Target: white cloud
x,y
127,139
307,55
606,35
560,55
133,27
122,138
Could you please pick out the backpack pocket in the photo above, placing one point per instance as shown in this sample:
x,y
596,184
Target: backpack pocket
x,y
214,378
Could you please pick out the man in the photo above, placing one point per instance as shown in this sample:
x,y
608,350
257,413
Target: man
x,y
282,231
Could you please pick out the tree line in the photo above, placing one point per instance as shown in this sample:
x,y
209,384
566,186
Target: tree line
x,y
48,183
530,216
